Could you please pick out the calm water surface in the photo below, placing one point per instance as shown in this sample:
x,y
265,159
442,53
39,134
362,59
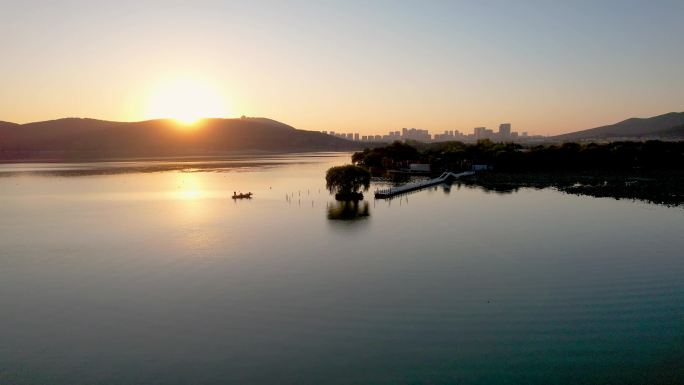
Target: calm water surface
x,y
110,277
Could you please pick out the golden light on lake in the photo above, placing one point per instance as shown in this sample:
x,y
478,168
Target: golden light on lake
x,y
189,187
186,101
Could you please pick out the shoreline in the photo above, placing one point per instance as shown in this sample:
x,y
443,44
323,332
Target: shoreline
x,y
665,187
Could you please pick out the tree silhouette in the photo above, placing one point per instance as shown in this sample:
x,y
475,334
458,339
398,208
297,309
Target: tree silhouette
x,y
346,181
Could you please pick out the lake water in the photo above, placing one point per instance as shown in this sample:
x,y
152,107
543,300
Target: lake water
x,y
158,277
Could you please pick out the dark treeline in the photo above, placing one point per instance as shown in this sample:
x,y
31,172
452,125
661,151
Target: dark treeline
x,y
656,186
618,156
651,171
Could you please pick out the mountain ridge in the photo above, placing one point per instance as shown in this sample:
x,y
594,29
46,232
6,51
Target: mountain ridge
x,y
628,128
84,138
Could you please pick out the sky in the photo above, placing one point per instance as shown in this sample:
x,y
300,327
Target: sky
x,y
547,67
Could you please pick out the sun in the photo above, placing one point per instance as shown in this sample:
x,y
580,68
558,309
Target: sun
x,y
186,101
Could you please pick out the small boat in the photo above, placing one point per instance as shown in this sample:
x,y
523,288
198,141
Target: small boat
x,y
242,196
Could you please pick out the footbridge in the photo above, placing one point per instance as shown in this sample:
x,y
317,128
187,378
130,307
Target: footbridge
x,y
409,187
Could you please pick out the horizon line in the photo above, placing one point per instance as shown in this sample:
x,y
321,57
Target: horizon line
x,y
260,117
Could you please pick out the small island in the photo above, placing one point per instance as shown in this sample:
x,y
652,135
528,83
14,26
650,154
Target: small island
x,y
346,181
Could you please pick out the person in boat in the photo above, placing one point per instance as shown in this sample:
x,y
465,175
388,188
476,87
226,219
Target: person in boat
x,y
241,195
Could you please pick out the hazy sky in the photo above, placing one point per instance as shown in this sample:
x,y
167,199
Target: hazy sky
x,y
363,66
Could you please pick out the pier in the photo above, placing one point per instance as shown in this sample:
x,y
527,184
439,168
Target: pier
x,y
409,187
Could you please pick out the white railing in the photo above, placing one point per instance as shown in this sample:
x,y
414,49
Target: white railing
x,y
388,192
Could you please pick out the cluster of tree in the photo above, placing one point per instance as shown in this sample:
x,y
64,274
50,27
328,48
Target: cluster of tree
x,y
514,157
387,156
657,186
346,181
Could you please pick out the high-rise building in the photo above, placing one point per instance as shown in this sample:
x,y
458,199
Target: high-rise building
x,y
504,131
416,134
479,132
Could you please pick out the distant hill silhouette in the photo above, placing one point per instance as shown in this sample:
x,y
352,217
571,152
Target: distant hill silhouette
x,y
77,138
7,124
673,133
630,128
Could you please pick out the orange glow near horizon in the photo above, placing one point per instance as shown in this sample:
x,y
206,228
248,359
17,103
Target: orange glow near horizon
x,y
186,101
